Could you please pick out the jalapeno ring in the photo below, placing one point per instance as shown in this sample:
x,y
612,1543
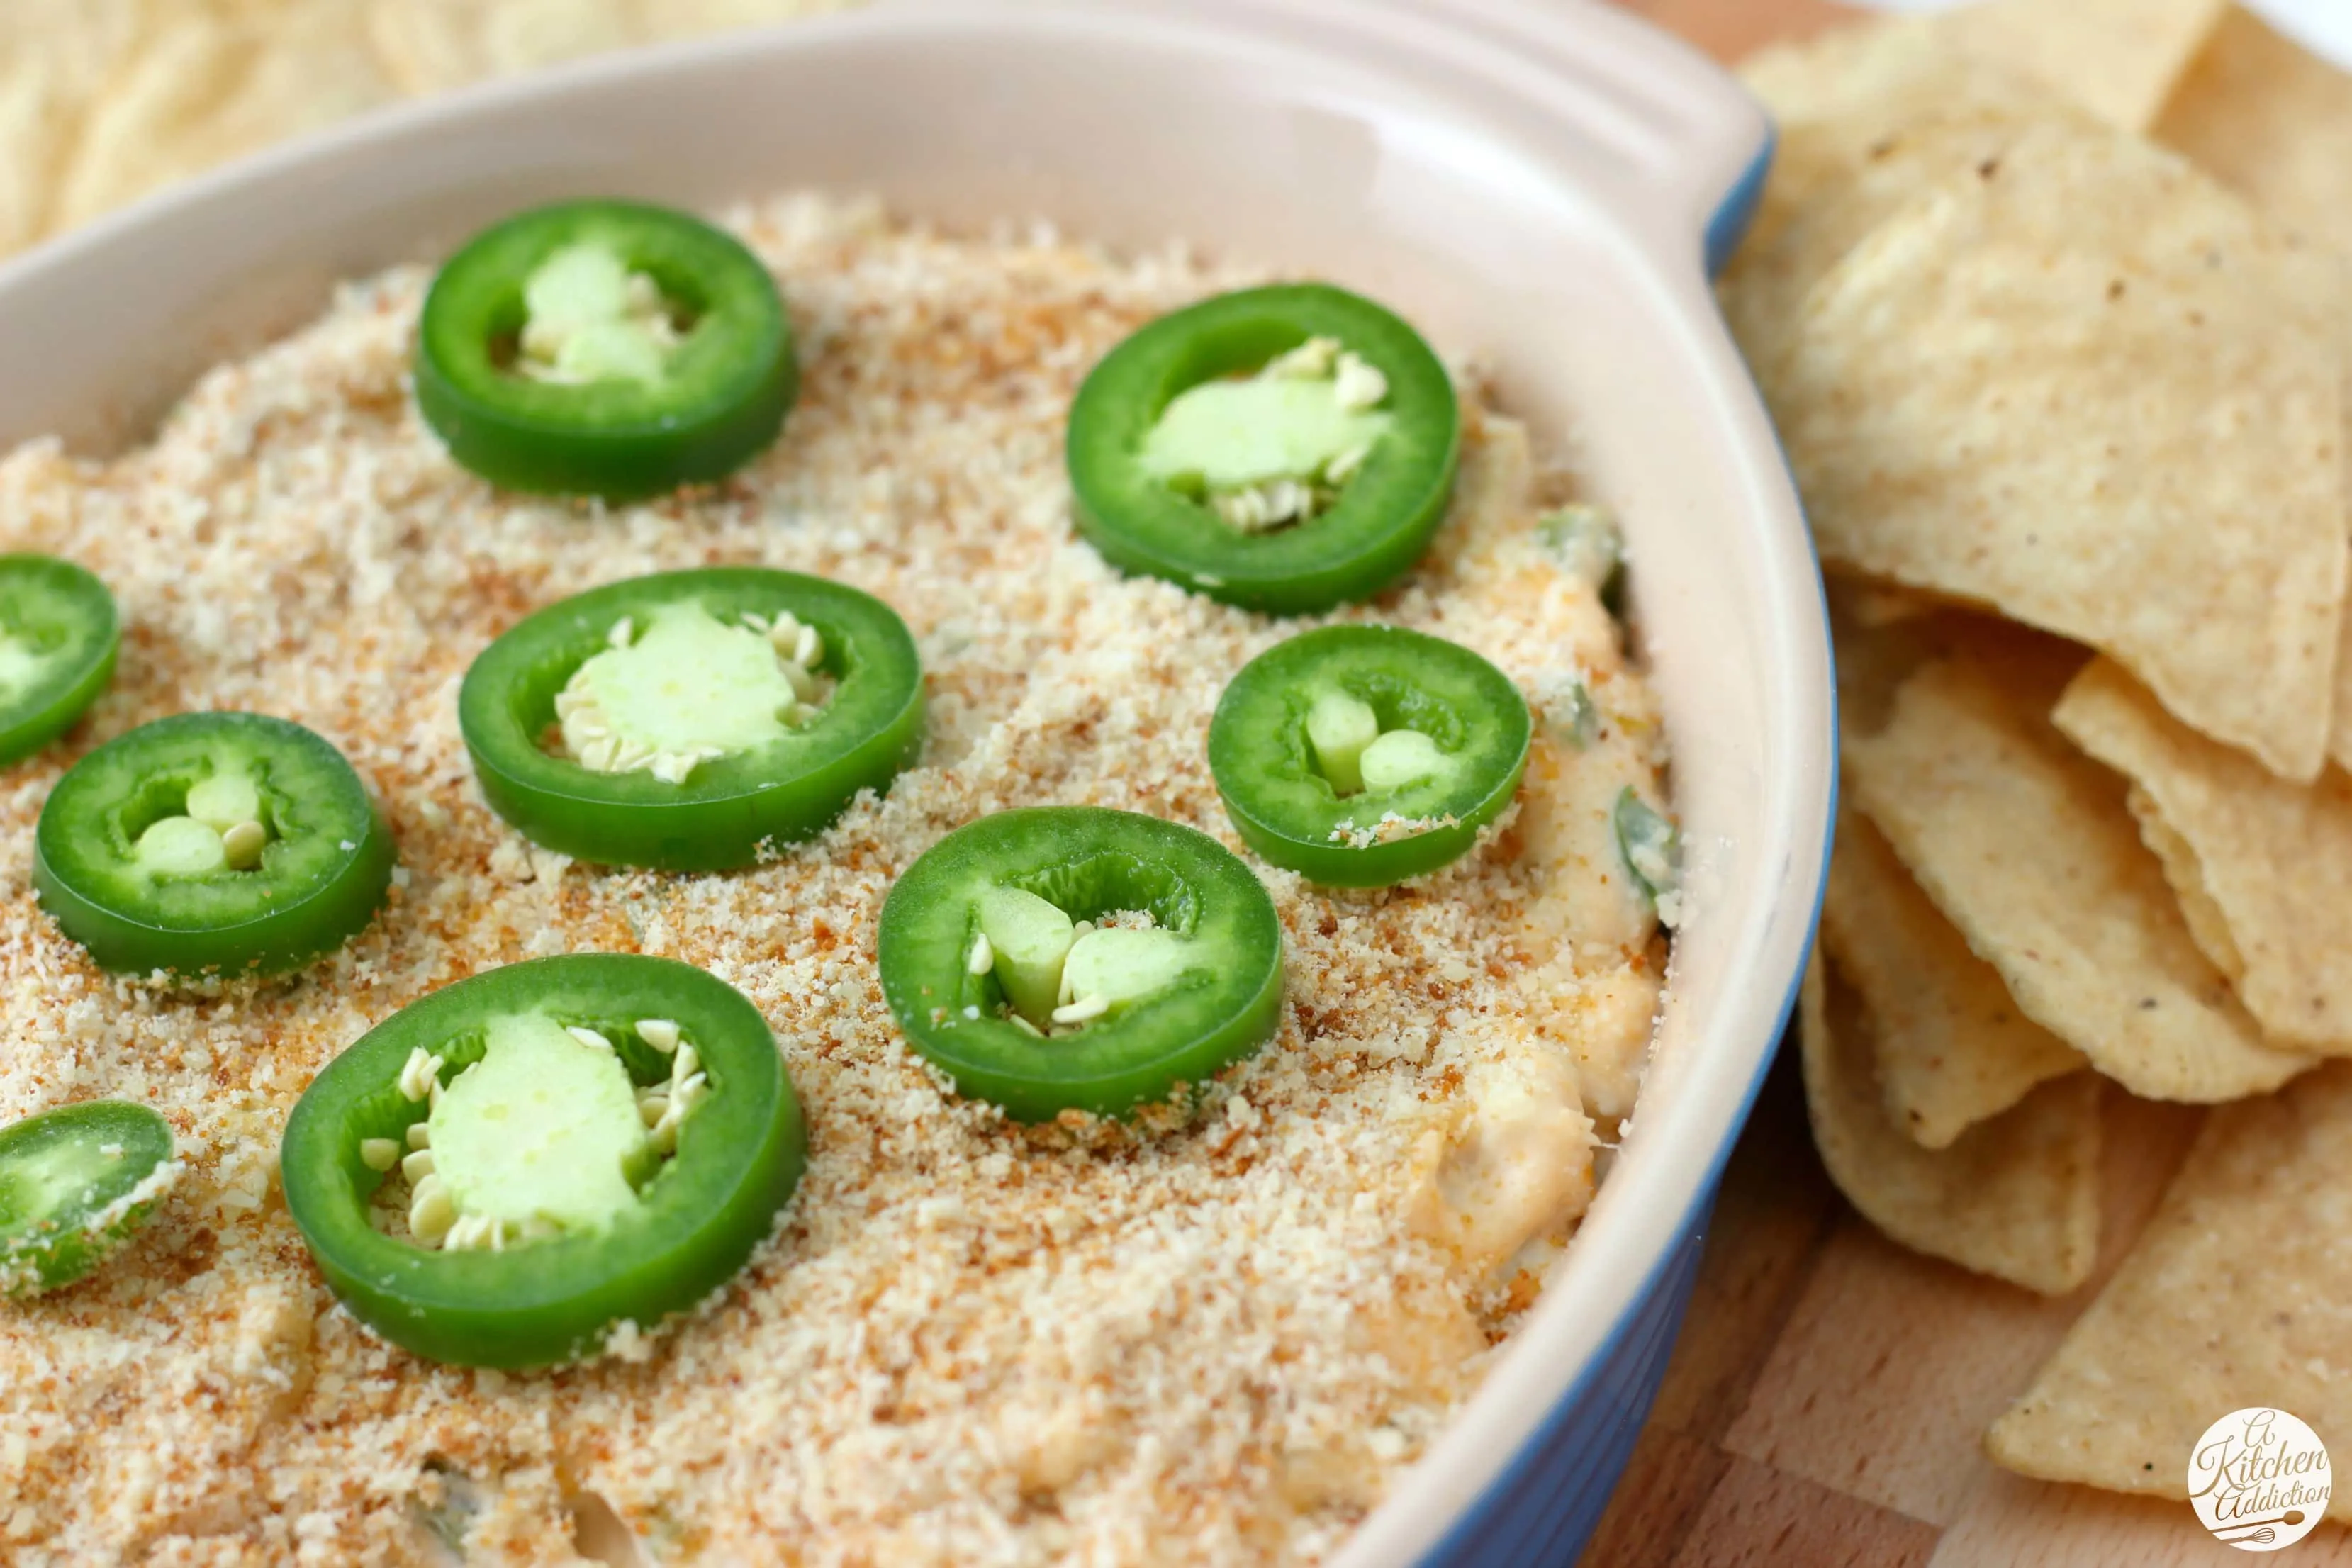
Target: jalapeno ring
x,y
649,722
1286,448
211,842
1362,755
604,348
501,1296
57,640
73,1183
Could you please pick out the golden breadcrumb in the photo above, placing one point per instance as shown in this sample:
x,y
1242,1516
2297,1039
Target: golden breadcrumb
x,y
967,1343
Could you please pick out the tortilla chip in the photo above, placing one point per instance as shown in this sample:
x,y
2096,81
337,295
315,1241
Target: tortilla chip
x,y
2117,59
2016,1197
1867,115
2207,927
1845,69
2265,116
2026,846
2269,861
1950,1047
2238,1294
432,46
692,18
1884,634
202,85
55,56
2086,385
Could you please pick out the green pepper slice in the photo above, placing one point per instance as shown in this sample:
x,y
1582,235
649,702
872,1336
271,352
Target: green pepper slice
x,y
227,842
538,1223
1071,958
604,348
1287,448
1362,755
1652,849
681,719
73,1183
58,639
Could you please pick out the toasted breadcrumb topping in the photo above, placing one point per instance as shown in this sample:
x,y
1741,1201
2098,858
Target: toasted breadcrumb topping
x,y
969,1343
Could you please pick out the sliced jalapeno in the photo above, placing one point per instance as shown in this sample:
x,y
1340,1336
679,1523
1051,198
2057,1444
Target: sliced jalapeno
x,y
1362,755
73,1183
551,1149
1070,958
58,637
1287,448
679,720
211,842
604,348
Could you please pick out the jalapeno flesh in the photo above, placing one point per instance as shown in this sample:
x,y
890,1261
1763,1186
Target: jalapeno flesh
x,y
604,348
57,640
73,1183
696,735
694,1215
1362,755
211,842
1181,977
1237,448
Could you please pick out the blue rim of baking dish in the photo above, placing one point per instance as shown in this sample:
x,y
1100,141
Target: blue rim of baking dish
x,y
1541,1507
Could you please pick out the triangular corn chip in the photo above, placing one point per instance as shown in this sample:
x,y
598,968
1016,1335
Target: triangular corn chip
x,y
2016,1197
2082,384
2026,846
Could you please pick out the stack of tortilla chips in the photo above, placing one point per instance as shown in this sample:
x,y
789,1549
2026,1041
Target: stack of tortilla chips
x,y
104,100
2051,303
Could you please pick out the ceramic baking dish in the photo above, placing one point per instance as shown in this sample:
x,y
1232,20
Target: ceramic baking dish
x,y
1541,183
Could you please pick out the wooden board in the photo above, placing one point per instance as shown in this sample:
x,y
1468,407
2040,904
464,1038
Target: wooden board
x,y
1825,1404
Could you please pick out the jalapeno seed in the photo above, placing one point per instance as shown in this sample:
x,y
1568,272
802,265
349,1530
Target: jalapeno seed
x,y
635,705
588,318
545,1135
1273,449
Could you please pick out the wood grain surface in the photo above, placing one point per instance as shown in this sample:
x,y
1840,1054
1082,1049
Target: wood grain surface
x,y
1825,1404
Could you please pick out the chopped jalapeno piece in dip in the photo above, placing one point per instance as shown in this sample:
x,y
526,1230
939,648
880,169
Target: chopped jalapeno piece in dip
x,y
682,719
562,1146
211,842
57,638
1070,958
73,1183
1587,544
1654,853
604,348
1362,755
1286,448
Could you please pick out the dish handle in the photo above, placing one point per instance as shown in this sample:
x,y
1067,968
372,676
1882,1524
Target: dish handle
x,y
1692,144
